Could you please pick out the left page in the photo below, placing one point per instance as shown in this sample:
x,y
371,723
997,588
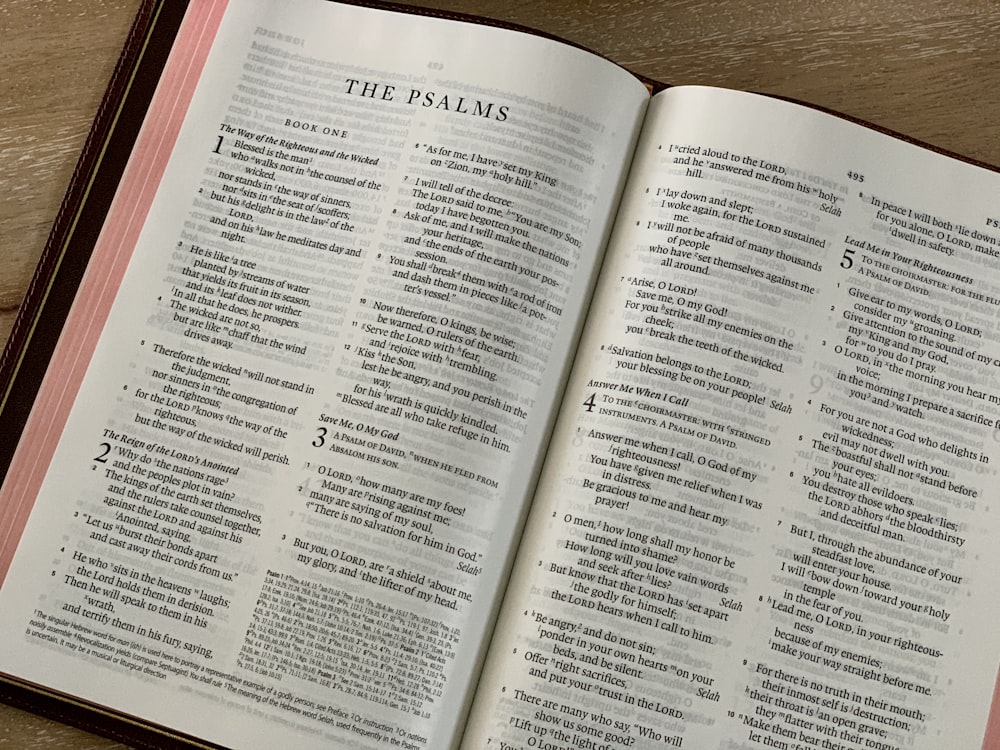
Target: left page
x,y
268,493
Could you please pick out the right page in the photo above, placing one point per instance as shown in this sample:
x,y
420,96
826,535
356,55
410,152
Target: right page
x,y
766,519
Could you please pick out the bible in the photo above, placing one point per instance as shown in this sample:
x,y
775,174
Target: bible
x,y
399,380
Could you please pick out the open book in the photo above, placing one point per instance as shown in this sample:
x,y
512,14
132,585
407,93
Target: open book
x,y
429,383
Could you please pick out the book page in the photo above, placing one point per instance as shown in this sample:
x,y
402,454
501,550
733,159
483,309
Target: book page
x,y
279,462
767,518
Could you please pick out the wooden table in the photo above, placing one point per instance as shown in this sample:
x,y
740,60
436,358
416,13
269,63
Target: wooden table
x,y
931,70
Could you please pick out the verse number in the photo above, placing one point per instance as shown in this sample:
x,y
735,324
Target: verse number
x,y
102,457
591,402
816,383
320,440
856,176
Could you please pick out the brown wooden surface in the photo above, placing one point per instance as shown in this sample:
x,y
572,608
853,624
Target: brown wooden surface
x,y
930,70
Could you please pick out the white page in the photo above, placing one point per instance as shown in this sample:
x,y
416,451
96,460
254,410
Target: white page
x,y
283,502
767,517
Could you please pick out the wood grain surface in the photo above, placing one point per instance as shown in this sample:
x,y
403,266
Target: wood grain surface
x,y
930,70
